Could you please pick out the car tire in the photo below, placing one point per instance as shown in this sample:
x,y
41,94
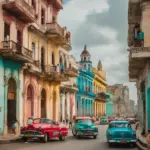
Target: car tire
x,y
78,136
45,139
25,139
110,145
95,137
73,133
62,138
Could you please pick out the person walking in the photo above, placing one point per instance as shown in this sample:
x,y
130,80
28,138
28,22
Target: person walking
x,y
67,119
14,126
30,120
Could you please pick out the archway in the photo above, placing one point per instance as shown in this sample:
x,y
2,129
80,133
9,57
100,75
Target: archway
x,y
11,103
54,105
43,103
29,102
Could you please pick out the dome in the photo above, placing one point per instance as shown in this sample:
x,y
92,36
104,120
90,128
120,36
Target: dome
x,y
85,52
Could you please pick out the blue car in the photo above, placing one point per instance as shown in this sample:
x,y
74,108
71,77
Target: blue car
x,y
120,132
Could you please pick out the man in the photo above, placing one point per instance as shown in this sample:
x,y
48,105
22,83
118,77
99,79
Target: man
x,y
30,120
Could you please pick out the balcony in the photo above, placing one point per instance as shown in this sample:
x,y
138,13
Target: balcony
x,y
55,75
69,87
58,34
14,51
71,72
57,4
20,9
101,97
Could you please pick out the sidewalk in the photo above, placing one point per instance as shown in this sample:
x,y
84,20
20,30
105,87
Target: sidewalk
x,y
8,138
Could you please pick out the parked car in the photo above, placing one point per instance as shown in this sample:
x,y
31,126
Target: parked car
x,y
44,129
103,120
120,132
83,127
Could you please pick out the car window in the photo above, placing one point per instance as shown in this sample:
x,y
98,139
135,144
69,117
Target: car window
x,y
120,125
44,121
88,121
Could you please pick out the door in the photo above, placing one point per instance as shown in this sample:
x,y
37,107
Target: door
x,y
43,103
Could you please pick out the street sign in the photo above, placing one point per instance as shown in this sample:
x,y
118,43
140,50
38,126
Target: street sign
x,y
148,138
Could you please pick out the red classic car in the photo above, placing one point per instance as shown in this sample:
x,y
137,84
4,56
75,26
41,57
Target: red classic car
x,y
44,129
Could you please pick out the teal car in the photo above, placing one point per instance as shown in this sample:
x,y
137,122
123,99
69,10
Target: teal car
x,y
84,127
120,132
103,120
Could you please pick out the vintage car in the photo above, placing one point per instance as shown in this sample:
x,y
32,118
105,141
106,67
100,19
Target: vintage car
x,y
103,120
120,132
44,129
84,126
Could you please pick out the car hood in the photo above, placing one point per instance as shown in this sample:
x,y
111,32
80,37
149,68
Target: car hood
x,y
85,126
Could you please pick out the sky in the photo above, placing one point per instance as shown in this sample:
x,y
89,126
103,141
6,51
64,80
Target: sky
x,y
103,26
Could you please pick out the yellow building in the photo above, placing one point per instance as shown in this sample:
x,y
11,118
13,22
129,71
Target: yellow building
x,y
100,90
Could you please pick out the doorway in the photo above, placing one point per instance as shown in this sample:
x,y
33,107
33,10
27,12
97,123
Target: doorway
x,y
42,59
43,103
54,105
11,103
19,41
29,102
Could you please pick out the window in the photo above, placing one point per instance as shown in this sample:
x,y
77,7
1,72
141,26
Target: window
x,y
53,58
42,59
33,50
6,32
42,16
33,3
54,19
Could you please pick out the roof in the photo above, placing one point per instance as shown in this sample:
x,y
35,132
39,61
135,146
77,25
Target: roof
x,y
119,122
85,52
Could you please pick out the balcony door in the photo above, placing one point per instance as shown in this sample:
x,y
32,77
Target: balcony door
x,y
43,103
42,59
19,41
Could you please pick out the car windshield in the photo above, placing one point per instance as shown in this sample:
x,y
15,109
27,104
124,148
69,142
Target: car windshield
x,y
87,121
42,120
119,125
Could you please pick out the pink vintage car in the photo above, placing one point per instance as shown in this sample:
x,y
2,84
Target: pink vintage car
x,y
44,129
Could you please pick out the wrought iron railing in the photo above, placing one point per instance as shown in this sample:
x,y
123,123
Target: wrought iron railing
x,y
16,48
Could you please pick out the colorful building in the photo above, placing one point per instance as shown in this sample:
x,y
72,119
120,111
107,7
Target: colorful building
x,y
139,54
30,64
109,104
100,90
68,89
85,95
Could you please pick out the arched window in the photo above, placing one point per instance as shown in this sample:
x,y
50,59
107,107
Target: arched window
x,y
53,58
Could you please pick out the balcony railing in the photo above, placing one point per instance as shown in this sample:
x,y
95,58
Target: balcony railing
x,y
21,7
15,50
71,72
61,35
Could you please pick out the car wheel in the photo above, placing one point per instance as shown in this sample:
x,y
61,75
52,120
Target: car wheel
x,y
25,139
73,133
62,138
45,139
78,136
95,136
110,145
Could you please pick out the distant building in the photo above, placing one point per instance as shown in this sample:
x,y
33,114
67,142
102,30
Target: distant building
x,y
85,94
100,90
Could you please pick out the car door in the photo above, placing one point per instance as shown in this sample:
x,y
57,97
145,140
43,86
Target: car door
x,y
54,129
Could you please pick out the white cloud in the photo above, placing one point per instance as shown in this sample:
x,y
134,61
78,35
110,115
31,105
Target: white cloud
x,y
105,39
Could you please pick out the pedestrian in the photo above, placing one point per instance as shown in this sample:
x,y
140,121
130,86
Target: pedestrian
x,y
62,68
30,120
67,119
70,123
14,126
57,68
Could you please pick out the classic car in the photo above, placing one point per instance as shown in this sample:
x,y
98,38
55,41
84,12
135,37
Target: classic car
x,y
103,120
44,129
120,132
84,127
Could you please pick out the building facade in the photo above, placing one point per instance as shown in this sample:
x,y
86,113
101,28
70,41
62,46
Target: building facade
x,y
139,53
109,104
68,89
85,94
30,61
100,90
120,99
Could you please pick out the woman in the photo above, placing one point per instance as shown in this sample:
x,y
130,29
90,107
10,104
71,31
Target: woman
x,y
14,126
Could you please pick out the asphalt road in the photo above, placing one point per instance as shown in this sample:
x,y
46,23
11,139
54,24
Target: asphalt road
x,y
71,143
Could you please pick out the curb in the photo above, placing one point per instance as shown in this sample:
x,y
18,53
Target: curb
x,y
140,147
9,141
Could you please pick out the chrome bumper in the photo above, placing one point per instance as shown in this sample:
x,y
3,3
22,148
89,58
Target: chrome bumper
x,y
122,141
31,134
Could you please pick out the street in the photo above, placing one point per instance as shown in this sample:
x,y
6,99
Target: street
x,y
71,143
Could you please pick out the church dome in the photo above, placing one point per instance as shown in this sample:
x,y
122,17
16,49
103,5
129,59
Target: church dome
x,y
85,52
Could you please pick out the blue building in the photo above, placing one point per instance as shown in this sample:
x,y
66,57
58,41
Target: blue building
x,y
85,95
